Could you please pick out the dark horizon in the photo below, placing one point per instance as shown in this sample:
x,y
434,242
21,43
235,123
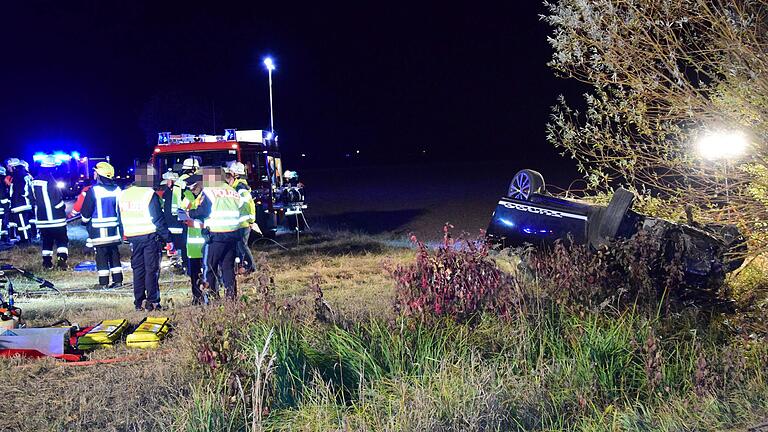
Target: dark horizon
x,y
412,84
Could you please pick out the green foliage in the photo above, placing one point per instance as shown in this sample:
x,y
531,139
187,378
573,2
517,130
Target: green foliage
x,y
661,75
552,371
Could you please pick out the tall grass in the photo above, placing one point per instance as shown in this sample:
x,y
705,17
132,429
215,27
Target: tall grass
x,y
559,372
559,347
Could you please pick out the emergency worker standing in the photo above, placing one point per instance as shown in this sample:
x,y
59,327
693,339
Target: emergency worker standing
x,y
22,199
189,167
5,205
177,228
219,209
102,218
143,222
51,215
195,240
234,175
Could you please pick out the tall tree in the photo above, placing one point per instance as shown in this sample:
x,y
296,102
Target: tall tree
x,y
668,77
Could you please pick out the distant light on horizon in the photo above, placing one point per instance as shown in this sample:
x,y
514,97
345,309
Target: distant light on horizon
x,y
722,144
269,63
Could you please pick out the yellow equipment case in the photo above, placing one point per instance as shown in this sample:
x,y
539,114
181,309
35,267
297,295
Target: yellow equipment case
x,y
149,333
106,333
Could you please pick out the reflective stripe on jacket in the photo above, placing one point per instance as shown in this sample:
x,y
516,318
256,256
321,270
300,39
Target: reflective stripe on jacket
x,y
225,209
49,203
248,207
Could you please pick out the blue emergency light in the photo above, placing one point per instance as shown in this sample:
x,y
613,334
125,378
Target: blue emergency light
x,y
62,157
229,134
163,137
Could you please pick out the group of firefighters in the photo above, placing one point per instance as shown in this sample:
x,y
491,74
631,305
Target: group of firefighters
x,y
205,214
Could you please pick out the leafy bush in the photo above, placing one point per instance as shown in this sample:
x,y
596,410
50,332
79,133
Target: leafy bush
x,y
626,274
458,280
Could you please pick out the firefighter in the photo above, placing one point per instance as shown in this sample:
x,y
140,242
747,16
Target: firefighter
x,y
171,213
5,205
143,223
22,199
51,215
219,209
190,167
101,216
234,175
78,206
195,240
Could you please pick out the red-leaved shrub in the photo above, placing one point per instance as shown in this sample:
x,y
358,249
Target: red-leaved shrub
x,y
457,280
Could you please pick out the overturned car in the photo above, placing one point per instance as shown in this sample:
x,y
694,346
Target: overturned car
x,y
527,215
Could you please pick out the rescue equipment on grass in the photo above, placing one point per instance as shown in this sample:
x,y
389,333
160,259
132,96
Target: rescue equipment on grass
x,y
38,342
64,341
106,333
149,333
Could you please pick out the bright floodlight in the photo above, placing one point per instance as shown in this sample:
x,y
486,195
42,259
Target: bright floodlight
x,y
722,145
269,63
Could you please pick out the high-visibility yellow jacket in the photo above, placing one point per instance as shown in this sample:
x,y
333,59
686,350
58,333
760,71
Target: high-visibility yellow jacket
x,y
219,209
248,210
141,213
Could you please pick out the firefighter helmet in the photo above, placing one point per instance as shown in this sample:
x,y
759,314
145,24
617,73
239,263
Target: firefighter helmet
x,y
236,168
48,162
104,169
170,175
190,164
2,171
13,162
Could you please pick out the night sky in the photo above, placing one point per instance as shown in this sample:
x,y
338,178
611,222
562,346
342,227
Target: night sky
x,y
392,80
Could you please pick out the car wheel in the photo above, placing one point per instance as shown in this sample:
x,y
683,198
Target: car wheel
x,y
526,183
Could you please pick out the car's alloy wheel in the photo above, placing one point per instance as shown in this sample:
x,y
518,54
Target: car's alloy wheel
x,y
525,183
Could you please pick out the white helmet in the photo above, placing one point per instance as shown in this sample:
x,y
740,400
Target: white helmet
x,y
236,168
290,174
2,171
170,175
13,162
190,164
48,162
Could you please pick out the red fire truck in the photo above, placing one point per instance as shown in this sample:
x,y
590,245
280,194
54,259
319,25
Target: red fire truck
x,y
258,150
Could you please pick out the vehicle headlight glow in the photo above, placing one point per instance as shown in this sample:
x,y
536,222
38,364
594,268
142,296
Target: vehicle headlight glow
x,y
61,184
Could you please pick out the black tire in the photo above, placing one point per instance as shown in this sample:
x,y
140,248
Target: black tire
x,y
605,225
526,183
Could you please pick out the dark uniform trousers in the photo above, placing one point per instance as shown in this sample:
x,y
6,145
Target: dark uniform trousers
x,y
108,261
146,253
51,237
195,274
24,228
180,244
220,264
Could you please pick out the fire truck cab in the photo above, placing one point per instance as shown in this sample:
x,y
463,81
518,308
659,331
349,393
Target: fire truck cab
x,y
258,150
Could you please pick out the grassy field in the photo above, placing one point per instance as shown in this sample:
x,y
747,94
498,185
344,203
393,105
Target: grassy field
x,y
286,357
